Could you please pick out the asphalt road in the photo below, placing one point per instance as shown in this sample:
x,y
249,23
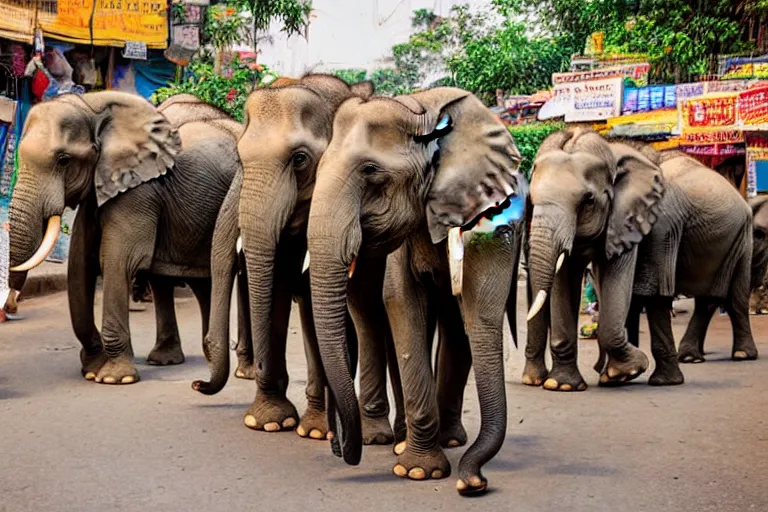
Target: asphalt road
x,y
71,445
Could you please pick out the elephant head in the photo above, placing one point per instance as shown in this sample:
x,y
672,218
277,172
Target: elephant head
x,y
759,239
587,194
288,127
435,160
73,147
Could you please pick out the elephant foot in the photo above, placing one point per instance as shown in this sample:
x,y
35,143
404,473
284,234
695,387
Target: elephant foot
x,y
565,378
422,466
92,363
120,370
271,414
245,370
629,367
534,373
475,484
377,430
690,353
667,373
166,353
744,351
313,424
452,434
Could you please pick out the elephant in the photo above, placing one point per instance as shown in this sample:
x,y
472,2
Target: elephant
x,y
288,128
653,227
398,183
691,349
144,205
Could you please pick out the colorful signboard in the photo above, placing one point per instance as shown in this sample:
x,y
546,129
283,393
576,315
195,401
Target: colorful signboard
x,y
596,100
753,109
636,73
98,22
710,120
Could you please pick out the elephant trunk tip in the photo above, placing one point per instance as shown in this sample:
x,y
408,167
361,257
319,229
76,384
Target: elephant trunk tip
x,y
207,388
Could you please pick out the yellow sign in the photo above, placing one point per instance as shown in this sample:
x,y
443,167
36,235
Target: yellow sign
x,y
98,22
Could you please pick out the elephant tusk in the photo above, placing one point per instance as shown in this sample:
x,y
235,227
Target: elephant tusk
x,y
305,266
47,245
456,260
239,245
541,298
351,267
560,261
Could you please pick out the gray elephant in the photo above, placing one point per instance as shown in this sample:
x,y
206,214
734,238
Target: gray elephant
x,y
651,231
145,205
289,127
401,176
691,349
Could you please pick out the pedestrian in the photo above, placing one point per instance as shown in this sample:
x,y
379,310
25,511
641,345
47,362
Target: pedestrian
x,y
589,331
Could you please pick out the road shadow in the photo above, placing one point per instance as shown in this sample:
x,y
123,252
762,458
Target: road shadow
x,y
367,478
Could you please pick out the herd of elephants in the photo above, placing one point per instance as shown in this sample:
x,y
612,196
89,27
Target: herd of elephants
x,y
405,217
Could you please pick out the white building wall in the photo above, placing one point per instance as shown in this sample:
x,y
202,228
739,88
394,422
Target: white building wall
x,y
346,34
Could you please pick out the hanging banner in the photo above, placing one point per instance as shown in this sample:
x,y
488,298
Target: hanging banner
x,y
753,109
110,22
596,100
710,120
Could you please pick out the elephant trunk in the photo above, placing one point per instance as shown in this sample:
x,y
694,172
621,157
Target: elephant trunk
x,y
224,265
551,239
34,220
335,236
265,209
488,364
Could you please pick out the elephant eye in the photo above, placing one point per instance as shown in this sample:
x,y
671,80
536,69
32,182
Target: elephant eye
x,y
369,169
300,159
589,199
63,161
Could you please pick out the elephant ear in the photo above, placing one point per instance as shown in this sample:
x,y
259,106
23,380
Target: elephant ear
x,y
137,144
638,187
474,160
363,89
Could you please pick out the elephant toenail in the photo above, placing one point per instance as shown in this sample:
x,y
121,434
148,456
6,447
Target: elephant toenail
x,y
417,474
400,447
566,387
453,443
316,434
400,470
301,431
613,372
551,384
289,422
272,426
90,376
739,354
461,485
250,421
109,380
437,474
527,380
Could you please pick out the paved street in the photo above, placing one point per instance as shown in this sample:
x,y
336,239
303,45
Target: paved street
x,y
71,445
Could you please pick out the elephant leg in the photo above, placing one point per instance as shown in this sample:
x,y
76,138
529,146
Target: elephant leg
x,y
535,370
82,273
615,279
313,422
271,410
366,307
244,347
167,349
691,348
564,303
737,306
667,372
454,360
632,323
406,302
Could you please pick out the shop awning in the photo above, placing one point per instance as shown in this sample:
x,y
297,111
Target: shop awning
x,y
97,22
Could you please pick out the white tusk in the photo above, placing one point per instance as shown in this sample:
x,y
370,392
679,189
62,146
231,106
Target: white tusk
x,y
541,298
560,261
239,245
47,245
305,266
352,268
456,260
